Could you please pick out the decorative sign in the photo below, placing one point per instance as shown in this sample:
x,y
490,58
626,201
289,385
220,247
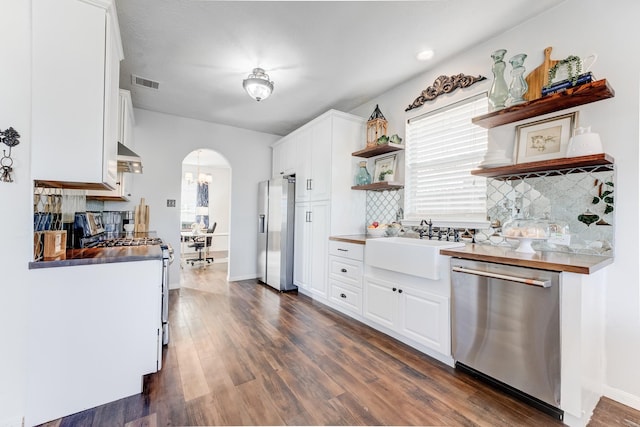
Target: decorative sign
x,y
444,84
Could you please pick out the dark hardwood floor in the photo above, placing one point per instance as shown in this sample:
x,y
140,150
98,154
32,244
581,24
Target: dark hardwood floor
x,y
242,354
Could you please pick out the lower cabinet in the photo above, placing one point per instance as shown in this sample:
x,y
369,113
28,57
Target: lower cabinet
x,y
345,276
310,257
414,313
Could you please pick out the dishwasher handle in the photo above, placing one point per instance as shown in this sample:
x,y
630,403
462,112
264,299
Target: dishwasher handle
x,y
533,282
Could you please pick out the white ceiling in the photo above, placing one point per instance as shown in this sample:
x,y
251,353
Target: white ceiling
x,y
321,55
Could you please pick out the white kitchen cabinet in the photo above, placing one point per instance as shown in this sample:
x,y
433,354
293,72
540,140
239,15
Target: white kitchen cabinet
x,y
325,204
414,313
345,276
284,157
94,333
310,253
314,161
126,121
75,78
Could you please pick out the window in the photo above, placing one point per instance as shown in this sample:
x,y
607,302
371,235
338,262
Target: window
x,y
443,146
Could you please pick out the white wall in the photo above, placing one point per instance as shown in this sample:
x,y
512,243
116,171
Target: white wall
x,y
163,141
219,203
16,227
575,27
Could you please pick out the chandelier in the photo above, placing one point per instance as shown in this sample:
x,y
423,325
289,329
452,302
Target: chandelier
x,y
258,85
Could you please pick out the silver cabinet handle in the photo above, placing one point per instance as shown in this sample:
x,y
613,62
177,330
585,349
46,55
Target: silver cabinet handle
x,y
533,282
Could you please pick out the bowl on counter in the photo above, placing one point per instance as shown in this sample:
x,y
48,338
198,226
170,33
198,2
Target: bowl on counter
x,y
377,231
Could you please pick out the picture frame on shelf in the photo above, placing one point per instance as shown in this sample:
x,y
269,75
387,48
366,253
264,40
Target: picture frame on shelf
x,y
385,168
544,139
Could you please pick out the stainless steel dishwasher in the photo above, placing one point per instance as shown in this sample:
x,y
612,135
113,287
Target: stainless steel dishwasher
x,y
506,327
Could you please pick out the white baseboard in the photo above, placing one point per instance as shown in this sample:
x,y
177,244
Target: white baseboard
x,y
245,277
12,422
622,397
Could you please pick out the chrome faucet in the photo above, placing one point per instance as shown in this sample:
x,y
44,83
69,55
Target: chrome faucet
x,y
429,230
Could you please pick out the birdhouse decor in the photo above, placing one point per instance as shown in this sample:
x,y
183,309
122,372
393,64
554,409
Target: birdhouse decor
x,y
376,127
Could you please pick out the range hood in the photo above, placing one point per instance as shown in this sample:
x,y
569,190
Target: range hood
x,y
128,161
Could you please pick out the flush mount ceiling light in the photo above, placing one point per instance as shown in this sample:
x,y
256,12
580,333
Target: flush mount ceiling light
x,y
425,55
258,85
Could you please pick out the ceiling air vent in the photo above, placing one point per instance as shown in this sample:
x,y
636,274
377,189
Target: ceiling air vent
x,y
141,81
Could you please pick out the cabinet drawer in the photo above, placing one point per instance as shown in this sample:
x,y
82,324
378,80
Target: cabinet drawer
x,y
346,270
347,250
346,296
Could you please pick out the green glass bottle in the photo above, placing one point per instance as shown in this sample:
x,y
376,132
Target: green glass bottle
x,y
363,177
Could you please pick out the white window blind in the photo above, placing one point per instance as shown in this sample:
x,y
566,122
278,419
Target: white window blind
x,y
442,148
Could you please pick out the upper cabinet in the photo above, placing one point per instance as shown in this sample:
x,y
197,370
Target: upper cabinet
x,y
284,157
313,174
76,62
125,124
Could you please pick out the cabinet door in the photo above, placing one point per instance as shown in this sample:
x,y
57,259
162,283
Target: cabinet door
x,y
74,76
302,141
302,246
380,301
111,106
277,155
319,221
424,317
126,119
284,158
320,152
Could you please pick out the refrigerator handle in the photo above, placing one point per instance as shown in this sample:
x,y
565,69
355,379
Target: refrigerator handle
x,y
261,222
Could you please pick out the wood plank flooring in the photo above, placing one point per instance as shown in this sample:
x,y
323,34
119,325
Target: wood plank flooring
x,y
243,354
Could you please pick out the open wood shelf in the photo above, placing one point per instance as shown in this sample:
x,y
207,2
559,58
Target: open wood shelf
x,y
379,186
552,167
377,150
579,95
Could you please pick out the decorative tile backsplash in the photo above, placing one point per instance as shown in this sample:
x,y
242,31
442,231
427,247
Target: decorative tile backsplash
x,y
582,201
384,206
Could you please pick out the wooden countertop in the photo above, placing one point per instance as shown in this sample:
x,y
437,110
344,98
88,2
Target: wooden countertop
x,y
359,239
90,256
554,261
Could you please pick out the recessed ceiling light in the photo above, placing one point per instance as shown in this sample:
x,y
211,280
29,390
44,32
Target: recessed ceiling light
x,y
425,55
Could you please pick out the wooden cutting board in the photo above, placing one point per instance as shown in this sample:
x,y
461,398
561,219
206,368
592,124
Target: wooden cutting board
x,y
141,217
539,77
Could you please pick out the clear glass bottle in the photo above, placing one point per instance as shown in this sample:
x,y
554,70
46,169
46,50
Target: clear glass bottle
x,y
499,91
519,85
363,177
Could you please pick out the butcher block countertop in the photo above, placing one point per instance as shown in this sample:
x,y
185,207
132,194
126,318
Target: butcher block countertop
x,y
359,239
90,256
554,261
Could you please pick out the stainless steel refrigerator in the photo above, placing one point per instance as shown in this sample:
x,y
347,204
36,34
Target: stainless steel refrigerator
x,y
276,209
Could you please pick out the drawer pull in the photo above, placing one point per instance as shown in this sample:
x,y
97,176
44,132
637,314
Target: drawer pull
x,y
394,289
344,270
343,296
399,291
343,250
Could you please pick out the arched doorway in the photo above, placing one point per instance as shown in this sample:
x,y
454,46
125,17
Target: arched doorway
x,y
205,200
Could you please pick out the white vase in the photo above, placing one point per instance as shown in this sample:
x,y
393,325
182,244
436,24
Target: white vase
x,y
584,143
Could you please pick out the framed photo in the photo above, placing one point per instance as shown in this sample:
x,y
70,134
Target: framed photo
x,y
545,139
385,169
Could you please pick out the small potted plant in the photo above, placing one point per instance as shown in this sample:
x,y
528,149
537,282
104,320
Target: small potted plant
x,y
386,175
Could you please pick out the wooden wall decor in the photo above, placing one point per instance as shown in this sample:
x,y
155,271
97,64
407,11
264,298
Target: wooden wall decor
x,y
444,84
